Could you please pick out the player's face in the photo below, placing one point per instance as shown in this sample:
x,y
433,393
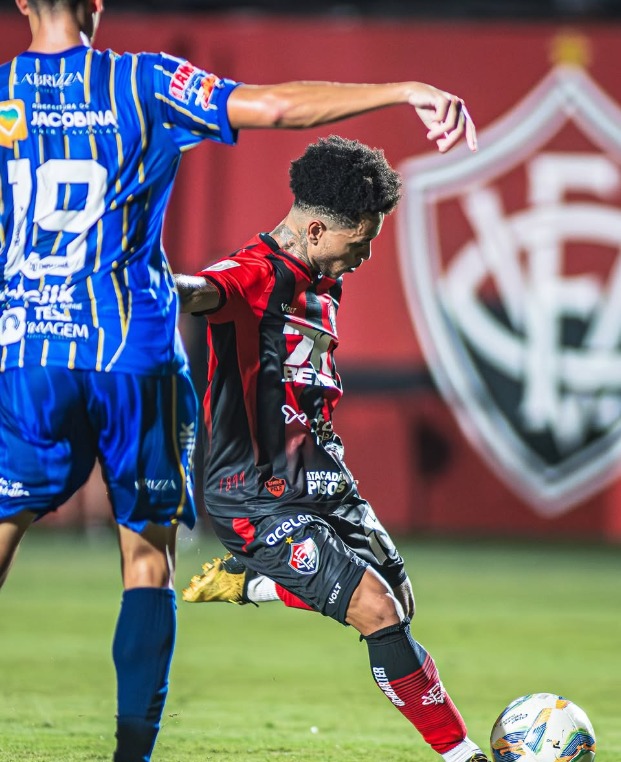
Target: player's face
x,y
339,250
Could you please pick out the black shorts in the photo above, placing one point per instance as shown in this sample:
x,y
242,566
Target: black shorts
x,y
318,558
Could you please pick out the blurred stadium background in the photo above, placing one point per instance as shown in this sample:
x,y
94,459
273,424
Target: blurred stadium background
x,y
482,372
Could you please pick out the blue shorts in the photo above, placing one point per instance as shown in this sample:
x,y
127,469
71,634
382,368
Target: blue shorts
x,y
55,423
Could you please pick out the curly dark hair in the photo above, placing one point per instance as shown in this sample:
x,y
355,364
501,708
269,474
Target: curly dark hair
x,y
344,180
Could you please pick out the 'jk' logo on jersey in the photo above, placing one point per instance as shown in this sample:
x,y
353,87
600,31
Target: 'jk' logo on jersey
x,y
12,122
511,262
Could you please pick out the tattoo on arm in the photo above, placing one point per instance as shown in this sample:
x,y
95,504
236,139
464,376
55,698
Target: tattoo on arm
x,y
196,294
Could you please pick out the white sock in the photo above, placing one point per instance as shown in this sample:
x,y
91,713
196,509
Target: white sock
x,y
261,589
462,752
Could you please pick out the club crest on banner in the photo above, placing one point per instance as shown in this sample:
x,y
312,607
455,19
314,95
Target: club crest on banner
x,y
511,264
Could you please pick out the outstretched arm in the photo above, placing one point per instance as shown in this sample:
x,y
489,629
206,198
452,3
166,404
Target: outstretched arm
x,y
196,294
295,105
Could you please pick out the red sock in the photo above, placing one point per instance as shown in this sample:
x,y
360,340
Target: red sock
x,y
291,600
429,707
407,675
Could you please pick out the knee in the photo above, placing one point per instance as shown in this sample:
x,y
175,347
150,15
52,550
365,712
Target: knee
x,y
405,595
149,559
146,572
381,613
146,567
373,606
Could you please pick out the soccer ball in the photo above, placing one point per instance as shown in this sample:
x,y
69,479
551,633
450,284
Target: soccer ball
x,y
542,727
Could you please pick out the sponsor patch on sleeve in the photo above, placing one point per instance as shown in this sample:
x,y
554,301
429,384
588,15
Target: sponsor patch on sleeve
x,y
184,80
208,85
12,122
226,264
191,84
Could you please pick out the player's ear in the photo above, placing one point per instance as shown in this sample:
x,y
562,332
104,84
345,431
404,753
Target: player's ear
x,y
22,6
91,23
315,229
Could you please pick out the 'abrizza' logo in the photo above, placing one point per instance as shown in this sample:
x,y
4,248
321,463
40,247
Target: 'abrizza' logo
x,y
511,262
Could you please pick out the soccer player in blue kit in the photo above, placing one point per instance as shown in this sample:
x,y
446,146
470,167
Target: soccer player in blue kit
x,y
277,489
91,363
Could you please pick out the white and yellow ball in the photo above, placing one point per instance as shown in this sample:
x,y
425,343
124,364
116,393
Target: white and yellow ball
x,y
543,727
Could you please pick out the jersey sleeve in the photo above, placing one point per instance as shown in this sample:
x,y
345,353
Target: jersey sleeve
x,y
189,102
240,280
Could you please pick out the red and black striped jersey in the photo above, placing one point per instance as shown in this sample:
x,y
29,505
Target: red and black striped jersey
x,y
272,386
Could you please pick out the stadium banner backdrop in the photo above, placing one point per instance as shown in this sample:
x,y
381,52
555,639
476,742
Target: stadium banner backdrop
x,y
480,347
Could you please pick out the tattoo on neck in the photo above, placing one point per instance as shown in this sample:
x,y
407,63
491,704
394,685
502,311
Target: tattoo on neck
x,y
292,242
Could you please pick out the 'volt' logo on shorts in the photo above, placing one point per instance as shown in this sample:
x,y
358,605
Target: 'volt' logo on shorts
x,y
335,593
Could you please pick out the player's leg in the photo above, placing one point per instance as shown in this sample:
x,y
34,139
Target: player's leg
x,y
314,563
405,595
147,464
12,529
46,449
355,522
144,638
227,579
381,608
406,673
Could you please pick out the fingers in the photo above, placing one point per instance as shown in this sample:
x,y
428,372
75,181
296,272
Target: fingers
x,y
448,122
471,131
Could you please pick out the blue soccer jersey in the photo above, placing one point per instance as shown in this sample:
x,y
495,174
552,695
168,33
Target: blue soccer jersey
x,y
90,143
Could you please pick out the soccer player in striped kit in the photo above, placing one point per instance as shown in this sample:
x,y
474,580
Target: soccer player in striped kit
x,y
277,489
91,364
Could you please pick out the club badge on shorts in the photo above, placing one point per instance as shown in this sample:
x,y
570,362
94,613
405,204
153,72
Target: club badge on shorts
x,y
304,556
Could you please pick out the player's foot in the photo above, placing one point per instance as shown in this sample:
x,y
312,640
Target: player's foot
x,y
478,757
221,580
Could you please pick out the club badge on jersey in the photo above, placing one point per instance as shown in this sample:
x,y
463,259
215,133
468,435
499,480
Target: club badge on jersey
x,y
304,556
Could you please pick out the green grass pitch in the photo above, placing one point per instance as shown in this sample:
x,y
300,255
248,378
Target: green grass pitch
x,y
252,684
